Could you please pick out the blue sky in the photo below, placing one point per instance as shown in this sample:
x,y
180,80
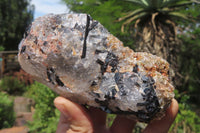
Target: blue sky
x,y
43,7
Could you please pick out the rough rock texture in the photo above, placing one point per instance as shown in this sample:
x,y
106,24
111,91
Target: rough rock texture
x,y
79,59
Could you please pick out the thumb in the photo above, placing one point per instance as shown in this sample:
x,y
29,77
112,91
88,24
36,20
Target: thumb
x,y
73,119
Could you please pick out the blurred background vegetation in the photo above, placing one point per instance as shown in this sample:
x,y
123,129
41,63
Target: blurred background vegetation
x,y
167,28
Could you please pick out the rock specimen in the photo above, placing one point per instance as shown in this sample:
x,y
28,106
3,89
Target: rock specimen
x,y
79,59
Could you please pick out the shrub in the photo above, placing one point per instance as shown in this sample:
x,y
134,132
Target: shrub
x,y
12,85
46,116
187,120
7,116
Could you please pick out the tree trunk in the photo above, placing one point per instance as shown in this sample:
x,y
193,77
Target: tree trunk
x,y
160,39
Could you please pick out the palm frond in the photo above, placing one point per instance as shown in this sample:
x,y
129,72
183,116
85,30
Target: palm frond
x,y
131,14
156,3
135,1
154,8
196,1
138,2
181,3
145,2
132,19
165,10
180,15
169,2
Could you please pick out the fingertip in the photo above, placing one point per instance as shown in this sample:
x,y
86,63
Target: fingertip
x,y
70,108
175,105
172,110
57,100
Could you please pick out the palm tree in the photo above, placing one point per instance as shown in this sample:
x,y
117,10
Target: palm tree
x,y
156,28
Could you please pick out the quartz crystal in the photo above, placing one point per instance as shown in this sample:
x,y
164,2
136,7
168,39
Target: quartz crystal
x,y
80,60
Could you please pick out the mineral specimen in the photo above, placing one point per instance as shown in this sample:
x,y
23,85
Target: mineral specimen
x,y
79,59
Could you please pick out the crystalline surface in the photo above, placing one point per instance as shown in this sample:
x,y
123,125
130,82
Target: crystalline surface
x,y
79,59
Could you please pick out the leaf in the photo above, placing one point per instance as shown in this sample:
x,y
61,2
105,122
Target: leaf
x,y
181,3
145,2
132,19
166,3
138,2
196,1
165,10
178,14
132,14
156,3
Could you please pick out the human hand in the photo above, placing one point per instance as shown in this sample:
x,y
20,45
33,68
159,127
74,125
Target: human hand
x,y
77,119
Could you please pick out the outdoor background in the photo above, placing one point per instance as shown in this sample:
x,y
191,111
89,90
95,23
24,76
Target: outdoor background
x,y
166,28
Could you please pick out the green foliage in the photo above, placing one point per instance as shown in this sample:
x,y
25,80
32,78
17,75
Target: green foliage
x,y
15,16
12,85
109,120
190,63
186,120
155,9
7,116
46,116
2,48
